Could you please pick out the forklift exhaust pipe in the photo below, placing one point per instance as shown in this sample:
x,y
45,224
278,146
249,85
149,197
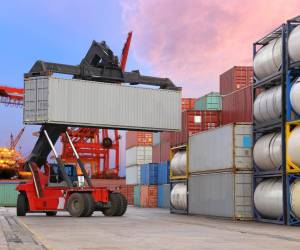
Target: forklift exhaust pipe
x,y
80,163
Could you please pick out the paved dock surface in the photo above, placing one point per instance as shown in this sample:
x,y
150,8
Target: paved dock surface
x,y
140,228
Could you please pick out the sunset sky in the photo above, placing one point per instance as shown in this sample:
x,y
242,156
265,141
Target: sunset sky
x,y
191,42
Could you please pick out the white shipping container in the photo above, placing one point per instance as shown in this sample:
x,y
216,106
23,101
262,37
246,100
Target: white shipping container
x,y
223,194
138,155
96,104
133,175
227,147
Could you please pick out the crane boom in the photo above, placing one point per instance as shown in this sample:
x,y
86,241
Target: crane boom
x,y
15,141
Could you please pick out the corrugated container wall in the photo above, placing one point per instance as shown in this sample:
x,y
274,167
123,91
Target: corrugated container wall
x,y
137,138
161,152
163,173
148,196
95,104
211,101
223,194
149,174
133,175
165,137
194,121
187,103
138,155
227,147
163,196
237,106
137,195
236,78
156,138
8,194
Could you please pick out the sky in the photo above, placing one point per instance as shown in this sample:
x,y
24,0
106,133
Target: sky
x,y
190,42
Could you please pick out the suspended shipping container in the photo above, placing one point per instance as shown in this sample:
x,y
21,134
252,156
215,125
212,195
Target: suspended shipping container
x,y
163,196
236,78
194,121
149,196
137,138
95,104
133,175
211,101
223,194
138,155
227,147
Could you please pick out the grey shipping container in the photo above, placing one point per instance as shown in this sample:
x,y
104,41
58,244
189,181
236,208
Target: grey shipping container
x,y
156,139
228,147
94,104
138,155
221,194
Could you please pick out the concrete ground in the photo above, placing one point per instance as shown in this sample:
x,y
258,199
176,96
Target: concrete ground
x,y
140,228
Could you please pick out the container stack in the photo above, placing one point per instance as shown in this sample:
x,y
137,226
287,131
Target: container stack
x,y
138,152
236,91
220,166
276,133
210,101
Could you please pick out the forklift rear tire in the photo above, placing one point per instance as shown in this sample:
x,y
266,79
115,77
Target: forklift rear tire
x,y
77,205
90,204
22,207
51,213
115,205
123,206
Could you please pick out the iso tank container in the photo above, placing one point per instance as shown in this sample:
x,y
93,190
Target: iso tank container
x,y
194,121
163,196
235,78
237,106
133,175
228,147
223,194
138,138
94,104
138,155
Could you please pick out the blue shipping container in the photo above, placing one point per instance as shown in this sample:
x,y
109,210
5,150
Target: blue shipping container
x,y
163,196
163,173
149,173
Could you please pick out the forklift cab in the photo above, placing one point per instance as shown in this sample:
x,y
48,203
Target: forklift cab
x,y
56,178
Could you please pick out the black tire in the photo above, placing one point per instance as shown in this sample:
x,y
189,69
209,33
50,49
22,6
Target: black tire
x,y
90,204
123,207
22,205
77,205
51,213
115,204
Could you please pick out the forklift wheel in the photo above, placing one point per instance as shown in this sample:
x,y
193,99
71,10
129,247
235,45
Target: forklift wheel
x,y
115,205
77,205
123,207
51,213
22,206
90,204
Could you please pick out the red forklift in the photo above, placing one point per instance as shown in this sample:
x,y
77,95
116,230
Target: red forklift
x,y
79,197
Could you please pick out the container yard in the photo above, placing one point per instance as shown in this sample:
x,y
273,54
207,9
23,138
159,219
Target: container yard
x,y
140,146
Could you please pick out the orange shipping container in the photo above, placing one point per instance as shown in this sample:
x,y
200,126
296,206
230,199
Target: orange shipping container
x,y
127,191
136,138
148,196
187,103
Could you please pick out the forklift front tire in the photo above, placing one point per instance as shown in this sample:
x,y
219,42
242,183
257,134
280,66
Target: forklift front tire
x,y
22,207
77,206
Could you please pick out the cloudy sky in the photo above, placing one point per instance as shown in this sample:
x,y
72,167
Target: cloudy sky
x,y
191,42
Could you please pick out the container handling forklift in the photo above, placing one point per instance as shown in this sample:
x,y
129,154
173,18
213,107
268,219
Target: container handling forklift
x,y
79,198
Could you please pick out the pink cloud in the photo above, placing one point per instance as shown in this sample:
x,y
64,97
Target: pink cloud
x,y
193,42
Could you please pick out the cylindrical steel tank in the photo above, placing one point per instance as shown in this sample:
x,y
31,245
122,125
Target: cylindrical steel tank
x,y
179,196
267,152
293,146
293,44
267,105
268,198
178,163
295,197
268,59
295,96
